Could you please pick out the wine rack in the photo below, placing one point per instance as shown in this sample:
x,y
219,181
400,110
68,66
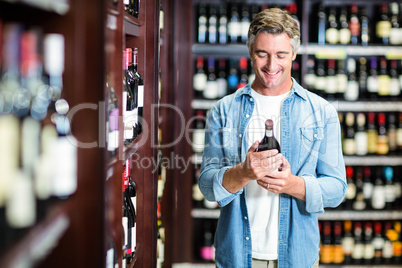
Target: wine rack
x,y
191,49
87,225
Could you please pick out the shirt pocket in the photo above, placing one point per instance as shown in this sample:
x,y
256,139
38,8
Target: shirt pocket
x,y
311,138
230,145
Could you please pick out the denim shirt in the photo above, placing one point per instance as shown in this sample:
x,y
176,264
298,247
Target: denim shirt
x,y
311,142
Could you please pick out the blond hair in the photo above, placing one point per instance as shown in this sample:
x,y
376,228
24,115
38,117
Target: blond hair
x,y
274,21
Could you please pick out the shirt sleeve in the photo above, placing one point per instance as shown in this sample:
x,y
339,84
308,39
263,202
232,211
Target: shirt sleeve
x,y
327,187
215,162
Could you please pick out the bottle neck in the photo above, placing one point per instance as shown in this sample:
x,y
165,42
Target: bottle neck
x,y
269,132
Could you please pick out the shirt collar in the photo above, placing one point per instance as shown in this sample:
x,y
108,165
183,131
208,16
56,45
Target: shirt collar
x,y
297,89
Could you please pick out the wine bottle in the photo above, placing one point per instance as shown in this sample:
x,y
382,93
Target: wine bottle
x,y
372,134
361,140
348,242
211,89
352,90
389,188
392,133
363,78
199,78
221,79
338,255
269,141
354,25
212,25
394,88
388,250
320,80
139,84
351,189
310,77
383,79
367,186
206,250
331,87
345,30
359,203
383,25
199,133
245,22
233,77
223,24
322,20
234,26
394,35
202,23
365,27
368,243
326,250
372,80
378,242
129,99
349,142
243,72
382,139
358,249
399,132
332,32
378,198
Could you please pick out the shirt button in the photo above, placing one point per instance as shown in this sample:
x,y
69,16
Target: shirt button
x,y
245,218
247,115
247,238
251,99
315,135
230,130
240,135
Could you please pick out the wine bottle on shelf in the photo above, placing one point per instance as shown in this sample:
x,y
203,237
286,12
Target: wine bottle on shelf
x,y
322,21
132,195
354,25
296,71
378,242
310,76
234,26
389,187
383,79
358,249
233,77
251,76
382,139
206,250
352,90
378,198
368,243
139,89
392,133
202,23
223,24
243,72
388,250
399,132
367,186
332,32
212,25
359,203
372,133
321,78
211,89
326,250
129,98
348,242
269,141
349,141
394,87
338,255
363,78
351,189
372,79
245,22
199,133
365,27
200,77
395,32
361,140
344,29
331,87
221,79
112,119
383,25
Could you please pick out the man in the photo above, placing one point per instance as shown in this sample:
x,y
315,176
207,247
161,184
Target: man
x,y
269,215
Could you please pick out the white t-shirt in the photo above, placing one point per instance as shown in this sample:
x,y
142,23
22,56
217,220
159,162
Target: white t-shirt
x,y
263,205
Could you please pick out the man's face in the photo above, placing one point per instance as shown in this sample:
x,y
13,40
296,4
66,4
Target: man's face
x,y
272,58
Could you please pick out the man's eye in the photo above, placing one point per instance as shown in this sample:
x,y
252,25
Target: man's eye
x,y
261,55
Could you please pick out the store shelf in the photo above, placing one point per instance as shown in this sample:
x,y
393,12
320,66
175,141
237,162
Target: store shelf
x,y
340,106
385,160
58,6
39,241
131,26
327,216
320,51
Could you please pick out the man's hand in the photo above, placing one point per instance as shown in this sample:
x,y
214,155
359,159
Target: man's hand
x,y
283,181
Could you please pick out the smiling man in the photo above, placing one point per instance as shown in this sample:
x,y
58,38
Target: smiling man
x,y
269,215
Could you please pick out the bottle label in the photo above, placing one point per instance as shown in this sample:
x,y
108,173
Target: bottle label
x,y
331,87
352,91
382,144
383,85
344,36
378,199
369,251
394,89
309,79
354,26
268,132
361,143
199,81
367,190
342,82
348,244
349,146
350,191
372,84
140,96
332,35
383,29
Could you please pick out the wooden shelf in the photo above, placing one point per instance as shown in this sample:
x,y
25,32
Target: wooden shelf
x,y
131,25
39,241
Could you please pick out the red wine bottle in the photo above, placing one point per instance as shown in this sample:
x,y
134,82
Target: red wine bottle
x,y
269,141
